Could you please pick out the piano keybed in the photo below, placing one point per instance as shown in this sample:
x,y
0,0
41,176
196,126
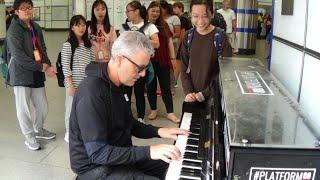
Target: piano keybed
x,y
192,164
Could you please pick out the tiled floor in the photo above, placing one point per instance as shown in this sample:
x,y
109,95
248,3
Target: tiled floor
x,y
52,161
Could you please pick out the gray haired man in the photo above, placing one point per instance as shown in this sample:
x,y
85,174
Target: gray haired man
x,y
101,121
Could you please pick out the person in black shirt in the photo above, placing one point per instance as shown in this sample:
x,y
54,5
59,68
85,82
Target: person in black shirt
x,y
101,121
178,9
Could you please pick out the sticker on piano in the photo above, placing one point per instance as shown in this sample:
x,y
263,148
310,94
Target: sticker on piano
x,y
251,82
263,173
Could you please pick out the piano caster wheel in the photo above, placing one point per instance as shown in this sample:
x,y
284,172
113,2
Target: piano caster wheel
x,y
216,122
217,165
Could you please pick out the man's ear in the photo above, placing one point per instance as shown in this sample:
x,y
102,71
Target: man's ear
x,y
118,59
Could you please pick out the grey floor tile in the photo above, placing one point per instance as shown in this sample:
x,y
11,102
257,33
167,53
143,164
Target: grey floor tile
x,y
12,169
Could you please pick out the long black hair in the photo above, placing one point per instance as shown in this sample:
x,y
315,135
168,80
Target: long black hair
x,y
106,21
72,39
142,9
207,3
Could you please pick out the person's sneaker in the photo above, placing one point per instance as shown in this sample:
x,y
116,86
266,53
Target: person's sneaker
x,y
66,137
141,120
31,142
45,134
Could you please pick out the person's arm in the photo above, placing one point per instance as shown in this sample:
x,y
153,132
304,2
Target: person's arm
x,y
16,47
171,49
93,123
176,27
226,52
144,131
226,46
186,80
234,22
66,67
44,47
154,40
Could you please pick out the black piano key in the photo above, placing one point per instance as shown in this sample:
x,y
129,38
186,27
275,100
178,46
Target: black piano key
x,y
197,131
192,142
190,155
194,136
191,148
183,173
190,169
184,179
191,163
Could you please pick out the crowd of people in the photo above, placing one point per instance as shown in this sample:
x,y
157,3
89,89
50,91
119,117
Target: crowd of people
x,y
101,70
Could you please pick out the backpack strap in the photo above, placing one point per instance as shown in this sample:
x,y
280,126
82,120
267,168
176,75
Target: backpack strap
x,y
73,49
218,41
126,26
189,40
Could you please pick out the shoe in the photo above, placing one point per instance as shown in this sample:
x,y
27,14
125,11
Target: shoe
x,y
172,94
45,134
66,137
31,142
141,120
153,115
173,118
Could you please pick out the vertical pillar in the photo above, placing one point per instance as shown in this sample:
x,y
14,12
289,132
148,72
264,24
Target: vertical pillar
x,y
2,20
80,7
246,12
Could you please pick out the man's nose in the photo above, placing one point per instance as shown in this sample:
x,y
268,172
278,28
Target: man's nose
x,y
142,73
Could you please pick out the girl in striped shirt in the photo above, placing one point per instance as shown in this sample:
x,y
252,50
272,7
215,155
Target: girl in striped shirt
x,y
82,55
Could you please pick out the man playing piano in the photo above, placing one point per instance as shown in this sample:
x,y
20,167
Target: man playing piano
x,y
101,122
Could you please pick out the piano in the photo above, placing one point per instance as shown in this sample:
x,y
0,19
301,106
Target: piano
x,y
255,130
196,149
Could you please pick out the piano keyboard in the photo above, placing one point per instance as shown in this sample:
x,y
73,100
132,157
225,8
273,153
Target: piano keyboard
x,y
189,166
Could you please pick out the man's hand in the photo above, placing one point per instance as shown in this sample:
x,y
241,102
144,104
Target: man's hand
x,y
165,152
191,97
172,133
51,72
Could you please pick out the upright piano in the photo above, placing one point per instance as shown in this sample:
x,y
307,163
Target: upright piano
x,y
255,130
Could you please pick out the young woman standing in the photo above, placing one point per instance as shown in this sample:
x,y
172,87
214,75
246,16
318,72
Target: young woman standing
x,y
161,63
81,57
101,33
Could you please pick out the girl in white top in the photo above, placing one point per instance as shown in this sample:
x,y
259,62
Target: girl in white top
x,y
101,33
137,21
83,54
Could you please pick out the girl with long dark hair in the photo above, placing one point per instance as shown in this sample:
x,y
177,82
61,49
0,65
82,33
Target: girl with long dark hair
x,y
101,33
200,66
79,47
137,21
161,63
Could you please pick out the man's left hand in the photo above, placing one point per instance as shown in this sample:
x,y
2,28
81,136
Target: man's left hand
x,y
172,133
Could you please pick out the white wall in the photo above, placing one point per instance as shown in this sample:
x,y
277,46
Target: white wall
x,y
2,21
293,66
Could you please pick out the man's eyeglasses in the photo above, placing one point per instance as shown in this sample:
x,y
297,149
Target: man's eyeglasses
x,y
140,68
25,8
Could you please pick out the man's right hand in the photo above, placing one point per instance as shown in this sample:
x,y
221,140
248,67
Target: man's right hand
x,y
165,152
